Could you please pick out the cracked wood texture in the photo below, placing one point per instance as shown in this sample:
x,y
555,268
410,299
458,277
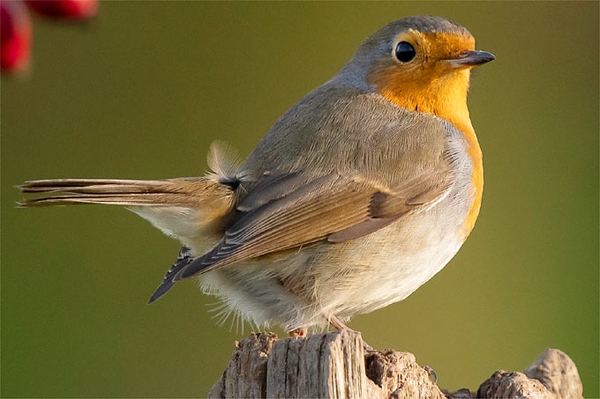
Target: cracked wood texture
x,y
335,365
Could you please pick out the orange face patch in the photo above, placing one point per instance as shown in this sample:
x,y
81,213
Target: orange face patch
x,y
427,83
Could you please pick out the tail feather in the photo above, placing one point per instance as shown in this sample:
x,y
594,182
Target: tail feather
x,y
75,185
185,192
192,209
183,259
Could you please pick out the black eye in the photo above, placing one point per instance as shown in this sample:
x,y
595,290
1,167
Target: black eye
x,y
405,52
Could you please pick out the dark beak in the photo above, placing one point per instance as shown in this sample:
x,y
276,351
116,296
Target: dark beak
x,y
471,59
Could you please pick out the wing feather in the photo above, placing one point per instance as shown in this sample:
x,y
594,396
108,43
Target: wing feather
x,y
296,209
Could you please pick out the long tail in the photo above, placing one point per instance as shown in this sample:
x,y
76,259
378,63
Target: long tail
x,y
192,209
183,192
189,209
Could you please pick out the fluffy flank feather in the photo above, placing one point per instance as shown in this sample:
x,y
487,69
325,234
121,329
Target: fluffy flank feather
x,y
223,160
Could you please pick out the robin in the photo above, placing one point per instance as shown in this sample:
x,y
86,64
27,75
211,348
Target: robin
x,y
358,195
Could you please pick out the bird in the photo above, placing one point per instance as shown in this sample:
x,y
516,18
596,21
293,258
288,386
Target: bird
x,y
359,194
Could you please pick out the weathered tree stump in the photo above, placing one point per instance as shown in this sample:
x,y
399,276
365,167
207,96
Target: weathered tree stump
x,y
336,365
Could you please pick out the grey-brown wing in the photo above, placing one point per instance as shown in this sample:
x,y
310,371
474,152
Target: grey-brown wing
x,y
286,211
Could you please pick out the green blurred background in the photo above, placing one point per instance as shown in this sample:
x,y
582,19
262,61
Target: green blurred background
x,y
143,90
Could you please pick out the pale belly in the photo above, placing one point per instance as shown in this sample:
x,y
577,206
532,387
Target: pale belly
x,y
304,287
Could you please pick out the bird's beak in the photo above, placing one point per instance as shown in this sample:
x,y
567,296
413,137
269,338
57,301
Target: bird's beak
x,y
467,59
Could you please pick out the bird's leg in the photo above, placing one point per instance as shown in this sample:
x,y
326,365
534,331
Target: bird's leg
x,y
339,325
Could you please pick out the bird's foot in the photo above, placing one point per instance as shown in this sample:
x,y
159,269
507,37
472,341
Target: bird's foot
x,y
298,332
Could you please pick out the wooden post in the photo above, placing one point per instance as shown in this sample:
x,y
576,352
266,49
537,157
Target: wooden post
x,y
336,365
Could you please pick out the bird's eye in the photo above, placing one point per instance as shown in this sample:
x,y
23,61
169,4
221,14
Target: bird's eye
x,y
405,52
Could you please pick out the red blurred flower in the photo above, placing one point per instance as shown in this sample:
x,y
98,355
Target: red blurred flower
x,y
15,36
16,25
72,9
